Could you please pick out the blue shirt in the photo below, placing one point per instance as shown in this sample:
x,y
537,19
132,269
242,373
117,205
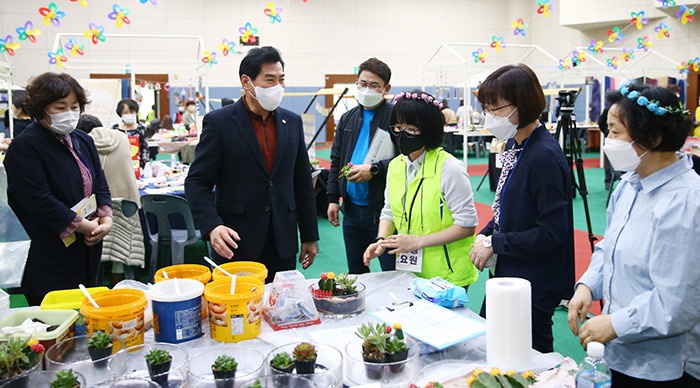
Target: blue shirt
x,y
647,270
359,192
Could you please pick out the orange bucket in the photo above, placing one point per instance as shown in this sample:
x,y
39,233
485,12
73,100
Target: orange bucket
x,y
236,317
241,269
120,313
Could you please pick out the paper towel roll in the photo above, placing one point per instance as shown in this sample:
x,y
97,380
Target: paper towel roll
x,y
508,323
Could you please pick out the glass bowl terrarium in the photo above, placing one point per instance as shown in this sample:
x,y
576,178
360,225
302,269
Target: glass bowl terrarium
x,y
338,296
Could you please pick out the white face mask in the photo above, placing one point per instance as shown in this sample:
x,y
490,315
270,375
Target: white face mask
x,y
64,122
501,127
368,97
180,109
622,155
129,118
268,98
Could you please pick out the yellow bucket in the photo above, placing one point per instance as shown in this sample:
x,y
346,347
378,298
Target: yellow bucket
x,y
242,268
237,317
197,272
120,313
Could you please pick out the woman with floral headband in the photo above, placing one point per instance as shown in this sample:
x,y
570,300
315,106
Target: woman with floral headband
x,y
428,199
646,268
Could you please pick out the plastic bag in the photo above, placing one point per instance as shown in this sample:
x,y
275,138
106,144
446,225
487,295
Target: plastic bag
x,y
440,291
14,247
289,303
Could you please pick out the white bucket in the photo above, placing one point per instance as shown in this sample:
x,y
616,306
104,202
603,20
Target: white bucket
x,y
177,309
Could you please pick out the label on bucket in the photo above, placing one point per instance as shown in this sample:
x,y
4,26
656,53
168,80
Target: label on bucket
x,y
235,321
176,322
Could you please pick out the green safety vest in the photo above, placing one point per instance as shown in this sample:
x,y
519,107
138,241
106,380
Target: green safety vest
x,y
429,214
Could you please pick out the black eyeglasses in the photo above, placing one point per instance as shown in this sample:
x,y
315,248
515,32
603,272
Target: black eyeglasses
x,y
410,132
494,110
373,85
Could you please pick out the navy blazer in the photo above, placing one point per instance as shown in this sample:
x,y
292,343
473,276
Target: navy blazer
x,y
248,197
536,238
43,183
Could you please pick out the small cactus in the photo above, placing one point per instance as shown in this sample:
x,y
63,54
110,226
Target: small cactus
x,y
225,363
65,379
282,360
99,340
304,352
157,356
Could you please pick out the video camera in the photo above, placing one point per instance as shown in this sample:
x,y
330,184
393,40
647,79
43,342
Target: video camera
x,y
567,98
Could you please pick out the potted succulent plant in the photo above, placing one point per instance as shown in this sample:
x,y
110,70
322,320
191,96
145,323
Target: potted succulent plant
x,y
224,370
374,338
18,356
158,362
100,347
396,349
65,379
282,362
338,295
304,358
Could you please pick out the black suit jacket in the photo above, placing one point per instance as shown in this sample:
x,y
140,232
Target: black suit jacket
x,y
248,197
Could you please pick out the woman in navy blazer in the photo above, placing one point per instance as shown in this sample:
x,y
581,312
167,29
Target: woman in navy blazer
x,y
532,230
50,168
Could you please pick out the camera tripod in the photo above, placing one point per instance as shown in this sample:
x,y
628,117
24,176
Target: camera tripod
x,y
567,127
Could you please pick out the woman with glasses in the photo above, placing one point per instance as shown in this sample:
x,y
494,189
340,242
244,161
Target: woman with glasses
x,y
646,269
428,199
531,235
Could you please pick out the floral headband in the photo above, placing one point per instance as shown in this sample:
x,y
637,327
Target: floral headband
x,y
430,100
652,105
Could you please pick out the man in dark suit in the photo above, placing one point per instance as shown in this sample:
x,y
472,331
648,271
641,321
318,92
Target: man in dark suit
x,y
254,153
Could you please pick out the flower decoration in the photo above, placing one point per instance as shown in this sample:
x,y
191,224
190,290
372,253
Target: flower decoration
x,y
119,15
8,45
146,1
627,54
682,68
596,47
666,3
578,57
613,62
95,33
544,7
663,30
225,46
685,14
75,47
273,13
28,32
57,58
639,19
615,35
248,33
564,64
497,43
209,58
51,15
479,56
653,105
694,64
82,2
415,96
643,43
519,27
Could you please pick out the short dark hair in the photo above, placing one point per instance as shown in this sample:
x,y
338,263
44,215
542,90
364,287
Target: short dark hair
x,y
167,122
87,123
252,63
190,102
20,102
518,85
656,133
674,88
50,87
426,116
375,66
131,104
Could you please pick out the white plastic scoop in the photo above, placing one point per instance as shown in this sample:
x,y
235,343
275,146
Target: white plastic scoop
x,y
87,295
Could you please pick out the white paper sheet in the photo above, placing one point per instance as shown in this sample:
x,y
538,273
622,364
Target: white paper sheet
x,y
380,148
432,324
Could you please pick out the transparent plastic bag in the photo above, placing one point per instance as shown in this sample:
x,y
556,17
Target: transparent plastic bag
x,y
14,247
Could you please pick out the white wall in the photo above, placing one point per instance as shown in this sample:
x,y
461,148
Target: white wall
x,y
320,36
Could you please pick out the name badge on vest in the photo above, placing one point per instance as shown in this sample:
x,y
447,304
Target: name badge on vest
x,y
410,261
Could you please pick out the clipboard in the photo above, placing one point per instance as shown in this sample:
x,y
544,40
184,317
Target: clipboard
x,y
432,324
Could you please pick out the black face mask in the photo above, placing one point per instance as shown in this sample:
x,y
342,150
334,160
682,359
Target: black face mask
x,y
407,144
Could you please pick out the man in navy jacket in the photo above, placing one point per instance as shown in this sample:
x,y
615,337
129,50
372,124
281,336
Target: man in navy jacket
x,y
254,153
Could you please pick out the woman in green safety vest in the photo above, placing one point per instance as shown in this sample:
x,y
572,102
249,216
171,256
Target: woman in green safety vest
x,y
428,199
